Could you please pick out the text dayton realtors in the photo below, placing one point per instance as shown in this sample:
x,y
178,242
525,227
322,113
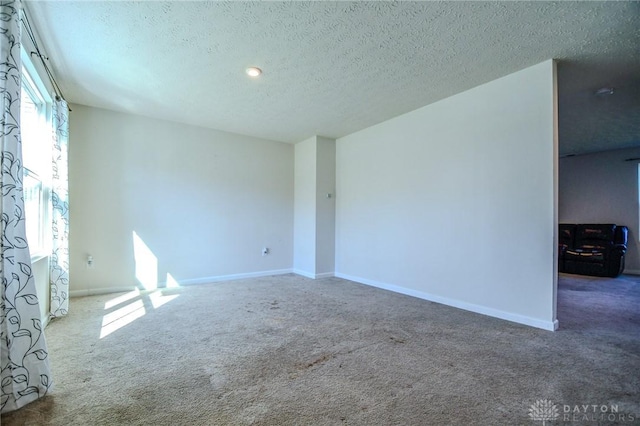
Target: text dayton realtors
x,y
582,413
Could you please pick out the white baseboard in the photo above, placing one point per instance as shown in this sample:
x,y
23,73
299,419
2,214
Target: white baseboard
x,y
325,275
192,281
218,278
304,273
520,319
631,272
97,291
313,276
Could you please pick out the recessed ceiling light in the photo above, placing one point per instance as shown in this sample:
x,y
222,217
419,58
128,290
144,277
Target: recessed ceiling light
x,y
253,71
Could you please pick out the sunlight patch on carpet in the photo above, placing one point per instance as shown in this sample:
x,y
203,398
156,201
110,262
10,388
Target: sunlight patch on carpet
x,y
158,299
121,299
121,317
130,306
136,303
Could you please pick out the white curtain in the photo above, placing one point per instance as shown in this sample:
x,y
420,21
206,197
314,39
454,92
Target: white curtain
x,y
59,262
24,360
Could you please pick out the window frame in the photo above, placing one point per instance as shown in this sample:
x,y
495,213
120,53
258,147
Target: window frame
x,y
41,170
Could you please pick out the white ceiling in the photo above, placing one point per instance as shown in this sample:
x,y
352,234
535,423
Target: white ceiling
x,y
332,68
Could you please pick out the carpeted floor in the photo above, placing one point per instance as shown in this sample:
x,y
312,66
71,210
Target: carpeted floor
x,y
288,350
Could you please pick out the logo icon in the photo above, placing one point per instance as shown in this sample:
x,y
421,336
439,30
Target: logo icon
x,y
543,410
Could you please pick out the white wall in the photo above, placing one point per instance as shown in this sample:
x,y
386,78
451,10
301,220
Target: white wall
x,y
304,256
314,215
603,188
204,202
325,206
455,202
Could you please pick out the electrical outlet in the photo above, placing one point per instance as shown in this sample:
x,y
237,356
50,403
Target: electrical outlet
x,y
90,262
265,251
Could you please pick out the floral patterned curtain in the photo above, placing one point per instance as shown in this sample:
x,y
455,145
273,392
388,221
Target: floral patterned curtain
x,y
59,261
24,362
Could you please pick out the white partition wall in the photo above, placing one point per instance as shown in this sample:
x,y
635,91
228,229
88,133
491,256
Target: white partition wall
x,y
304,218
325,207
314,207
456,202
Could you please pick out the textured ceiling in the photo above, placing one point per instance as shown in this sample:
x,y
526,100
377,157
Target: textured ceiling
x,y
332,68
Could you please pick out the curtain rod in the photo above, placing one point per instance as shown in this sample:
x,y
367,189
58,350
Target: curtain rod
x,y
43,59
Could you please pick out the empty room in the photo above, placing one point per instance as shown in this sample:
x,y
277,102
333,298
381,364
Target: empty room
x,y
320,213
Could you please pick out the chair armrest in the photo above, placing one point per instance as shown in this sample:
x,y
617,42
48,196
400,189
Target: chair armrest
x,y
619,247
621,235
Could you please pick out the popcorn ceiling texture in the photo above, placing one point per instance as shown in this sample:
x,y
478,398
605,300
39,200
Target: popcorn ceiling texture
x,y
332,68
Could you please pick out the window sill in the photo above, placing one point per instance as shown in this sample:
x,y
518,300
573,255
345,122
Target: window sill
x,y
38,256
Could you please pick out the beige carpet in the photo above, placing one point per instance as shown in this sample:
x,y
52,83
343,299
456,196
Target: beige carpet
x,y
288,350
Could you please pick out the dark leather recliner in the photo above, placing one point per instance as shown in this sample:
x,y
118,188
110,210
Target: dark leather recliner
x,y
592,249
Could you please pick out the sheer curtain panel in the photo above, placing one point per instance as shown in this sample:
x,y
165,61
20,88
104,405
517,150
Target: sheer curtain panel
x,y
24,361
59,262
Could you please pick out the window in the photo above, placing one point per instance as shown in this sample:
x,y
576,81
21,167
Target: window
x,y
36,132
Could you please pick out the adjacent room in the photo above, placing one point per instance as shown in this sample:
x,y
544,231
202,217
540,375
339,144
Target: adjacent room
x,y
323,213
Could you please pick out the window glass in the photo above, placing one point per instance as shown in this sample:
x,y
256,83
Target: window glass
x,y
35,130
32,113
